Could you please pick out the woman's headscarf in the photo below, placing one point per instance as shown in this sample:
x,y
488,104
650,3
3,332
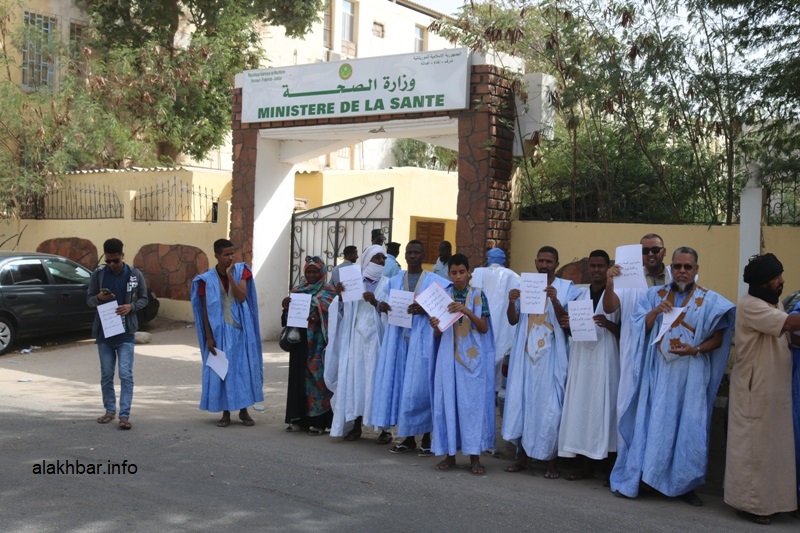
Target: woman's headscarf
x,y
321,292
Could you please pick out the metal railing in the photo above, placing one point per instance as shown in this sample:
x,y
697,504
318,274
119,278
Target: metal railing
x,y
176,201
73,202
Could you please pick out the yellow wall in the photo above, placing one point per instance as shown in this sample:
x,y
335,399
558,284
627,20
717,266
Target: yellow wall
x,y
717,246
26,235
419,194
784,242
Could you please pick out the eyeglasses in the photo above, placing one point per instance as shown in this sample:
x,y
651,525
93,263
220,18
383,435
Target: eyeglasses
x,y
113,261
682,266
654,249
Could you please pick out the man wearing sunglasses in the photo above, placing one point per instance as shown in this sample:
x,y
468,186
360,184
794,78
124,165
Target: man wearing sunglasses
x,y
124,284
681,337
655,271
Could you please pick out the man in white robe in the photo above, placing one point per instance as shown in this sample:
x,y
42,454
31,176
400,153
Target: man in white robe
x,y
354,334
497,281
537,371
589,419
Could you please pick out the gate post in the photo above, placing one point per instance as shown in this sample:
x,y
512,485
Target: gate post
x,y
484,165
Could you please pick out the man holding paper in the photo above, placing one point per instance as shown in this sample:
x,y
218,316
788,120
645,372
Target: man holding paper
x,y
226,318
589,420
354,337
537,369
118,291
402,378
665,415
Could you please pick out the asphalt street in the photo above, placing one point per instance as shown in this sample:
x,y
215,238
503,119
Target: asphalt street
x,y
193,476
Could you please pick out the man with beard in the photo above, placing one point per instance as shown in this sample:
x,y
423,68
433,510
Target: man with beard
x,y
665,414
759,480
589,421
401,394
537,371
445,251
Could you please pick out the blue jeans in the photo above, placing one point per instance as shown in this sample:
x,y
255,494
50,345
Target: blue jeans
x,y
110,352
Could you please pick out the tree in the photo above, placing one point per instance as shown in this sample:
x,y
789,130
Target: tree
x,y
414,153
169,65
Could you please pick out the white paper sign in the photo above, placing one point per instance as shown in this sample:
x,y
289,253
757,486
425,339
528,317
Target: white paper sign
x,y
434,300
629,259
399,302
353,282
667,319
218,363
533,297
476,282
110,320
581,320
299,309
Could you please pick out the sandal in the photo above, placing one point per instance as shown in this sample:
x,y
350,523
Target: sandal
x,y
445,464
401,448
353,435
247,420
761,520
106,418
515,467
224,422
425,452
293,428
385,438
552,474
123,423
315,432
477,469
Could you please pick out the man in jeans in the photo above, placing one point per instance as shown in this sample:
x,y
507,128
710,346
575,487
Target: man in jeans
x,y
125,285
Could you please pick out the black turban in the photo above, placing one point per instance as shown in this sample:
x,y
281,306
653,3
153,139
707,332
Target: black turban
x,y
761,269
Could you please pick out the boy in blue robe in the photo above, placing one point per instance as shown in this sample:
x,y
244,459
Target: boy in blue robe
x,y
463,375
226,317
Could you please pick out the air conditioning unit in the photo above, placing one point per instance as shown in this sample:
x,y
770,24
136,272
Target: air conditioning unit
x,y
330,55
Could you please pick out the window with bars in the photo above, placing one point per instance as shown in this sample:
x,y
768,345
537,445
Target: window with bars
x,y
77,40
327,33
38,57
348,27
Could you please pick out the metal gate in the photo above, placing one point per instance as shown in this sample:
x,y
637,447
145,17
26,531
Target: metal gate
x,y
326,230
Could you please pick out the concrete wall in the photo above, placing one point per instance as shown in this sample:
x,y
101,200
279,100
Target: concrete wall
x,y
28,235
717,246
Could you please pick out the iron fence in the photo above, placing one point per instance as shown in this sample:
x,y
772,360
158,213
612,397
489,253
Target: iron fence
x,y
783,204
73,202
176,201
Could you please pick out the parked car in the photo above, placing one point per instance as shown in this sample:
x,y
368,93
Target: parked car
x,y
42,294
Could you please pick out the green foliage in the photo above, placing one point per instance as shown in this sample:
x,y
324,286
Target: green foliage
x,y
649,113
413,153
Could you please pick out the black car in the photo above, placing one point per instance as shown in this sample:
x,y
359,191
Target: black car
x,y
42,294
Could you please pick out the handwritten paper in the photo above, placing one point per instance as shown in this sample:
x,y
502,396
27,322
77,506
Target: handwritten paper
x,y
581,320
533,298
218,363
434,300
667,319
399,302
299,309
353,282
629,259
110,320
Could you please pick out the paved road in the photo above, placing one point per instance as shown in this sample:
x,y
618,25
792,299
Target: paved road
x,y
193,476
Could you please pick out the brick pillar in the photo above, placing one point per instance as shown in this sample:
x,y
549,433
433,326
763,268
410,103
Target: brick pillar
x,y
484,165
243,183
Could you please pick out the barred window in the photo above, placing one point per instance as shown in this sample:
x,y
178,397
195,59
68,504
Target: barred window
x,y
38,57
77,40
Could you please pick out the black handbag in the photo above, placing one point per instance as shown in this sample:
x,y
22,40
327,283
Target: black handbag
x,y
290,337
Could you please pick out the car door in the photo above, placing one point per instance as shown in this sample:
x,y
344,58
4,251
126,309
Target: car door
x,y
27,294
70,283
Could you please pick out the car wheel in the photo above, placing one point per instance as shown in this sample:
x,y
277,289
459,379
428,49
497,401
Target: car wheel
x,y
7,334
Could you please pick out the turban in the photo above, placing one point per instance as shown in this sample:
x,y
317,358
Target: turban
x,y
369,253
496,256
761,269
